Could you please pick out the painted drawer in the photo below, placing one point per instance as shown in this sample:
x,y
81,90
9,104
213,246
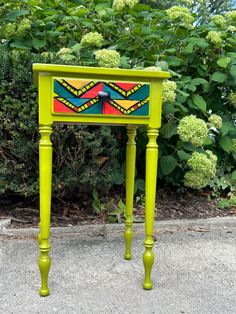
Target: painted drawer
x,y
77,96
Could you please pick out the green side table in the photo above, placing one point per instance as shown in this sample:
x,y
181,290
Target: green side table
x,y
87,95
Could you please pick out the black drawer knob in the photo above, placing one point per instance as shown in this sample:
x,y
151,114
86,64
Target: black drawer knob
x,y
104,96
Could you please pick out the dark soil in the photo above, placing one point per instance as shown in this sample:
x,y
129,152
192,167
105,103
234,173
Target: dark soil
x,y
170,205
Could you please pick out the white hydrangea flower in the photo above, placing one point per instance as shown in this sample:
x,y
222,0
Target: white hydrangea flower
x,y
65,54
153,68
219,20
168,91
9,30
180,15
108,58
47,54
203,168
231,15
215,38
23,27
215,121
193,130
232,98
231,29
64,51
119,5
93,39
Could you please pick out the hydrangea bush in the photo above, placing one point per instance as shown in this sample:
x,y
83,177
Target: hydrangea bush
x,y
198,48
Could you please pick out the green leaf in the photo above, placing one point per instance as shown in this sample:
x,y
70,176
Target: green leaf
x,y
233,70
223,62
124,62
169,109
208,141
189,48
183,109
141,7
145,30
173,61
200,42
95,193
199,80
49,25
226,143
12,15
232,55
168,130
182,93
167,164
233,175
104,5
182,155
76,48
21,44
39,43
199,102
112,219
163,65
227,127
223,203
139,185
191,87
190,147
219,77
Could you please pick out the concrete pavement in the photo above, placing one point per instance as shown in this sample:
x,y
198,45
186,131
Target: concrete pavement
x,y
194,270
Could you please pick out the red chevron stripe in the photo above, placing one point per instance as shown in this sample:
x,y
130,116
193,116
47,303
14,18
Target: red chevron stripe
x,y
59,107
93,92
108,109
125,86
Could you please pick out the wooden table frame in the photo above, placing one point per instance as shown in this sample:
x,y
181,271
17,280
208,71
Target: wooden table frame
x,y
47,76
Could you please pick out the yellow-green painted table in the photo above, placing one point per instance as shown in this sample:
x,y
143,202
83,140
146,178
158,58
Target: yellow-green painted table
x,y
86,95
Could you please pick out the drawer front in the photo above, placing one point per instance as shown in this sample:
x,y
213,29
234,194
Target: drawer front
x,y
77,96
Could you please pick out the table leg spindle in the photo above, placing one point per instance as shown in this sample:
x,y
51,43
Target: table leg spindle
x,y
130,177
45,169
151,176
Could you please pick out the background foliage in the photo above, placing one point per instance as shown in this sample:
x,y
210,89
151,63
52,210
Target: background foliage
x,y
144,35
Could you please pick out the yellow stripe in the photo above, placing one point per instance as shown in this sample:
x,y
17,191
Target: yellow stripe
x,y
77,92
127,111
65,102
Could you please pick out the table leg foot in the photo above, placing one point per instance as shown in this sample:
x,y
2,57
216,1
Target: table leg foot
x,y
44,267
128,240
148,260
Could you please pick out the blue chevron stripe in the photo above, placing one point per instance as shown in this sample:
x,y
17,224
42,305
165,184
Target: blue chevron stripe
x,y
140,94
142,111
61,91
113,94
77,101
96,109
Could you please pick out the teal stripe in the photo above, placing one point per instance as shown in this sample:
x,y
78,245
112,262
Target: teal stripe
x,y
142,111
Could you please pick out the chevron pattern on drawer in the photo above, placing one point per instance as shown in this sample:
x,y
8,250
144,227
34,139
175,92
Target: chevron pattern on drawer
x,y
81,97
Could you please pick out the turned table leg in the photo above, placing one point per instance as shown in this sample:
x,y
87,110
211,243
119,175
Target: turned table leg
x,y
45,170
130,178
151,176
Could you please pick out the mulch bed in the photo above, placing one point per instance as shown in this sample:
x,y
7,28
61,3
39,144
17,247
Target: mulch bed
x,y
170,205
